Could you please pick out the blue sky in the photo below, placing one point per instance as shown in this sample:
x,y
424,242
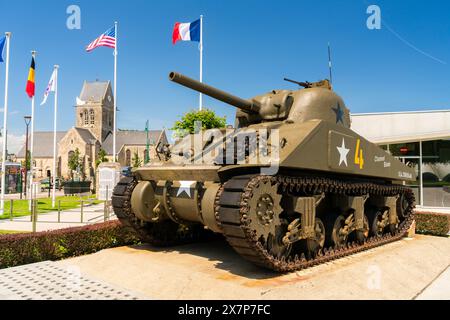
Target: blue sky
x,y
249,46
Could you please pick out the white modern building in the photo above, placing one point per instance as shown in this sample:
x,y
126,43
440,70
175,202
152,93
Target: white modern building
x,y
422,140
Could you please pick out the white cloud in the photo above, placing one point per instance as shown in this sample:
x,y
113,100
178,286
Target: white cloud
x,y
9,112
15,143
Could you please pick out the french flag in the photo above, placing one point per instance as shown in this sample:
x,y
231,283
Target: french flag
x,y
186,31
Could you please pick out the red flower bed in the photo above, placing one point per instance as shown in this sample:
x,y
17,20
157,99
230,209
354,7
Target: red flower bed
x,y
24,248
437,224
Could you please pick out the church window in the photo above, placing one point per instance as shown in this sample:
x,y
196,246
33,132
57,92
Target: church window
x,y
69,156
92,116
128,157
86,118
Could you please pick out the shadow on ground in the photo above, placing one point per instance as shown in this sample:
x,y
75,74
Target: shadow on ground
x,y
221,253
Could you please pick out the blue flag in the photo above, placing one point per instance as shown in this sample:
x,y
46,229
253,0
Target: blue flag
x,y
2,44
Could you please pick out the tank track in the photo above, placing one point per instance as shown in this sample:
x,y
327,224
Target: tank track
x,y
164,233
232,208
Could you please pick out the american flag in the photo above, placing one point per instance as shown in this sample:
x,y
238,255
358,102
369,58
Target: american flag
x,y
107,39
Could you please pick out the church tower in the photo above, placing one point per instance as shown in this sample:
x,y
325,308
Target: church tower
x,y
94,109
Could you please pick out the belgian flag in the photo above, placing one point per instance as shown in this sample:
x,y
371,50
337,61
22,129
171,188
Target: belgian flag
x,y
30,82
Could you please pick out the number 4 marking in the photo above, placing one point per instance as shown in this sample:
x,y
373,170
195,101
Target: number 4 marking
x,y
359,159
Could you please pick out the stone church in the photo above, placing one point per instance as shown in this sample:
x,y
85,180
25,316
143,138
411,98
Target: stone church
x,y
91,133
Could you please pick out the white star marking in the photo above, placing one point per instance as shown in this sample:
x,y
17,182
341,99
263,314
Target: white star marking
x,y
343,152
185,186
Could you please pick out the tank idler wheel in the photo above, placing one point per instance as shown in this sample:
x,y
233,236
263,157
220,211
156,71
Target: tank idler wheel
x,y
314,246
362,235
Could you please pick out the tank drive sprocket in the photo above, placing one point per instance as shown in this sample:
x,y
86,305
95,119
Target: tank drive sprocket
x,y
236,214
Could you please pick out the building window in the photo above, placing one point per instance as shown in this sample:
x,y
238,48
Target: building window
x,y
431,162
128,158
86,118
92,116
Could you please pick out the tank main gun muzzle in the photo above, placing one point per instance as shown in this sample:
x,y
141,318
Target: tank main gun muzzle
x,y
249,106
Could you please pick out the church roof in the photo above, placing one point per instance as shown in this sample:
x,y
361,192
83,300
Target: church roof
x,y
94,91
85,134
43,144
130,137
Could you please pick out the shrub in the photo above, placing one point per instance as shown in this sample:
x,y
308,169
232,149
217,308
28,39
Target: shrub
x,y
432,223
207,118
24,248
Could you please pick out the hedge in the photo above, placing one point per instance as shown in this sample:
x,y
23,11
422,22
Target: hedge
x,y
24,248
432,223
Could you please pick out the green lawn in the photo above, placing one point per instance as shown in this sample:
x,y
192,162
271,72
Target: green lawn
x,y
44,205
11,232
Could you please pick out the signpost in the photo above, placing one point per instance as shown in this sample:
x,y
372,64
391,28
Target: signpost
x,y
108,177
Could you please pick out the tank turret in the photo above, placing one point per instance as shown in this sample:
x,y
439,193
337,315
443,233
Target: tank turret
x,y
316,101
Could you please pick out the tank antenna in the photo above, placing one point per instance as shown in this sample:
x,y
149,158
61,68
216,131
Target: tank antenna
x,y
330,66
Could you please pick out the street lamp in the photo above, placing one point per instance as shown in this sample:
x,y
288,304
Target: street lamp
x,y
27,123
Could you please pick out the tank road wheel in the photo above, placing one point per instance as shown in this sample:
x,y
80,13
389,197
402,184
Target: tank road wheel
x,y
362,235
313,246
402,207
339,233
378,223
265,221
392,228
275,244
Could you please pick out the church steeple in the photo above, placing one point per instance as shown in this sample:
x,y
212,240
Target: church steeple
x,y
94,110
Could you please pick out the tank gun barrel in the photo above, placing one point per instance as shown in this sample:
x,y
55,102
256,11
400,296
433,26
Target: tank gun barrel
x,y
248,106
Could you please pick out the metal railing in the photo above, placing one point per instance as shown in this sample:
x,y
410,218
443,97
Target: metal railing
x,y
79,214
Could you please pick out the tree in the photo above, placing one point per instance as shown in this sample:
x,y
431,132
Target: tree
x,y
101,157
75,162
137,162
26,166
208,119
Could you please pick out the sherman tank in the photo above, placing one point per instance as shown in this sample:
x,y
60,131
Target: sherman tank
x,y
289,186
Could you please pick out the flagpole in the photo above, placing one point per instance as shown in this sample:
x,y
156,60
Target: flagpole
x,y
115,93
54,136
5,119
30,179
330,67
201,60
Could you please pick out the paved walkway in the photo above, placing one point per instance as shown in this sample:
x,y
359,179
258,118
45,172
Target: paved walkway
x,y
49,281
439,289
49,221
415,268
406,269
